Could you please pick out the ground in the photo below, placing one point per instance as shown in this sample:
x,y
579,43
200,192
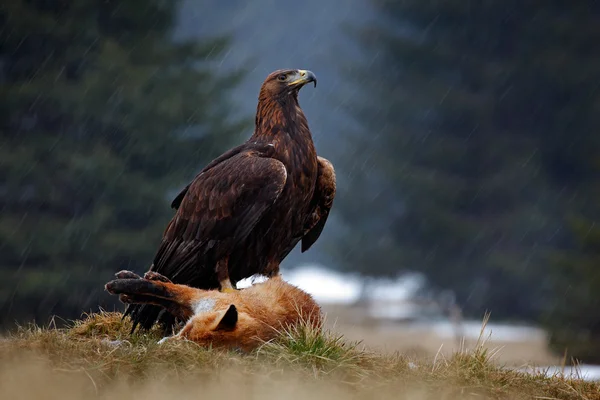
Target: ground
x,y
96,358
416,340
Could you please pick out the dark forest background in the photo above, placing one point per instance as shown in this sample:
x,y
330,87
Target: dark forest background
x,y
465,136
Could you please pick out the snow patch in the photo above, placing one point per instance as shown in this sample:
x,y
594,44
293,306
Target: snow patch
x,y
584,371
471,330
324,285
328,286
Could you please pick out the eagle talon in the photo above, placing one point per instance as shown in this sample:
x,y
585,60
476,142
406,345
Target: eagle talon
x,y
226,286
124,274
155,276
126,299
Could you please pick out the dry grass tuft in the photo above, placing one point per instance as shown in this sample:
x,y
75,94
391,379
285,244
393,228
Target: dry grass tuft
x,y
96,357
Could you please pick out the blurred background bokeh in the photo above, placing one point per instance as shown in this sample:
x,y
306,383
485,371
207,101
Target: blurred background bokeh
x,y
465,136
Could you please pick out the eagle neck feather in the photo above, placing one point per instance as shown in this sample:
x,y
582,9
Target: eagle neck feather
x,y
282,123
281,116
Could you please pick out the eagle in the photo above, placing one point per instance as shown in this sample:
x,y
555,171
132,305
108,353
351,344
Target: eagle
x,y
248,208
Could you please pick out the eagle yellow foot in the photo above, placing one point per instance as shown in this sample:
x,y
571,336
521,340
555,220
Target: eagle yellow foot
x,y
226,287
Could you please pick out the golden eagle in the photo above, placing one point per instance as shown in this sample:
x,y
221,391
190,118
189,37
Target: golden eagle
x,y
247,209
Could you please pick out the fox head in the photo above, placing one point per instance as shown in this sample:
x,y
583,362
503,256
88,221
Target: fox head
x,y
219,321
221,328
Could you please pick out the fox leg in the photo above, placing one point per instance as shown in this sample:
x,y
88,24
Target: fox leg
x,y
165,339
175,309
170,339
150,275
144,299
222,270
183,334
174,298
125,274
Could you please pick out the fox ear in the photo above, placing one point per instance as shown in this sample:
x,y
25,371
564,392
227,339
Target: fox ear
x,y
228,320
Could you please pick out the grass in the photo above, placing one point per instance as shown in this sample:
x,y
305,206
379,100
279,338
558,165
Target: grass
x,y
85,361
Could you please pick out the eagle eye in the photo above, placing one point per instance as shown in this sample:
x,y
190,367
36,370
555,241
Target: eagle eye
x,y
282,77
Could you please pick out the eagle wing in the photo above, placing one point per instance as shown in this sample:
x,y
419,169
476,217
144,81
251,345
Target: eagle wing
x,y
218,210
225,156
322,202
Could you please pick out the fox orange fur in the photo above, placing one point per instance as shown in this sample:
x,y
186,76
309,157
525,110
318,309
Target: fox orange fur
x,y
241,319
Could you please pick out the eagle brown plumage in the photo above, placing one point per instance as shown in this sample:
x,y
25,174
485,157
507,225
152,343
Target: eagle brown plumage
x,y
247,209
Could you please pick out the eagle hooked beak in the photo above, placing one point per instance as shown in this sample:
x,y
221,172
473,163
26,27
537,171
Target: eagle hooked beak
x,y
302,77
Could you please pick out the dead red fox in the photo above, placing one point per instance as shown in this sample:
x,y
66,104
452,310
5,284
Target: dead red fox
x,y
242,319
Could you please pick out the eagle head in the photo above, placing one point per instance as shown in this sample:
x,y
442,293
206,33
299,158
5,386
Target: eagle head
x,y
285,82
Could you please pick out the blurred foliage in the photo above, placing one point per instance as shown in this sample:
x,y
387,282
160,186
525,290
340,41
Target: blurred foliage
x,y
479,135
572,316
101,114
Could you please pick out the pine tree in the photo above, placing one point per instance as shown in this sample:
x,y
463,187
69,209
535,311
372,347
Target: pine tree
x,y
480,114
102,116
573,320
